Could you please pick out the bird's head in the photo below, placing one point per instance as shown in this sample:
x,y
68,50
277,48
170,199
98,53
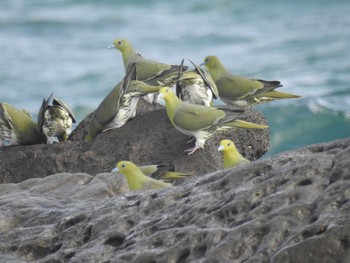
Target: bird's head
x,y
226,146
120,44
166,93
210,62
124,167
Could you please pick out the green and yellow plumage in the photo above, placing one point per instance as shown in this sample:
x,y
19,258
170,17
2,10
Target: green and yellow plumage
x,y
137,180
241,91
164,172
119,105
231,155
17,127
201,121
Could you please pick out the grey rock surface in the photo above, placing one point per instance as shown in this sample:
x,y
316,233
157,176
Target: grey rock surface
x,y
147,139
293,207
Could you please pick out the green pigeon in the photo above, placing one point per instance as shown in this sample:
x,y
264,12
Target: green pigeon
x,y
231,155
149,71
17,127
241,91
137,180
119,105
201,121
55,121
196,86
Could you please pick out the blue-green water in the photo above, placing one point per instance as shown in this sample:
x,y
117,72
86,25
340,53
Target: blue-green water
x,y
60,46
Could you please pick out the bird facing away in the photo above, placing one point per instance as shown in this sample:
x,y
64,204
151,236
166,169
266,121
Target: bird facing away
x,y
164,172
231,155
17,127
119,105
201,121
241,91
55,121
149,71
196,86
136,179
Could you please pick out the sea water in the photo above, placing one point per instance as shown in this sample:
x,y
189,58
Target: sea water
x,y
60,46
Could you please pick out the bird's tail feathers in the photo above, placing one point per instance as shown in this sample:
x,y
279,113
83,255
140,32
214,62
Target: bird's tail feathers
x,y
246,124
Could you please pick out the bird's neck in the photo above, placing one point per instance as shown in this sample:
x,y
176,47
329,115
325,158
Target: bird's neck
x,y
231,158
171,105
135,180
218,71
128,55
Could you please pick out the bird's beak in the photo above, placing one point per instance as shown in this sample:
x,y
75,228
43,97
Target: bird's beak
x,y
221,148
111,46
202,64
160,96
116,170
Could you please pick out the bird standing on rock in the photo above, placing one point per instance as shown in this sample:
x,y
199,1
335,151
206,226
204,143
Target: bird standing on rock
x,y
148,71
231,155
241,91
136,178
196,86
55,121
17,127
201,121
119,105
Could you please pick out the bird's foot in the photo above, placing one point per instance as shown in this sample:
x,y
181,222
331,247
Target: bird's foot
x,y
190,151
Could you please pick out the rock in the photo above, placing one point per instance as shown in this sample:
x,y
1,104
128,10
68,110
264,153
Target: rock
x,y
292,207
147,139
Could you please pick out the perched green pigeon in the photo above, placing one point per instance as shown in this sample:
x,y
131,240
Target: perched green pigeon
x,y
201,121
137,180
149,71
231,155
196,86
242,91
119,105
55,120
17,127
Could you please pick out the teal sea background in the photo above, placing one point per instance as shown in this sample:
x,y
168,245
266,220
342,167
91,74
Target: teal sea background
x,y
60,46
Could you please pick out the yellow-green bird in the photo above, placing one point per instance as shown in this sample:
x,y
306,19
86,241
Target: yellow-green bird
x,y
232,157
242,91
137,180
55,120
196,86
149,71
119,105
17,127
201,121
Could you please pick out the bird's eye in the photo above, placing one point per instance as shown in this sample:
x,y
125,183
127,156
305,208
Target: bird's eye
x,y
207,60
123,165
166,90
228,144
119,43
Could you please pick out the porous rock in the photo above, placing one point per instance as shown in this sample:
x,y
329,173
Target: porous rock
x,y
147,139
293,207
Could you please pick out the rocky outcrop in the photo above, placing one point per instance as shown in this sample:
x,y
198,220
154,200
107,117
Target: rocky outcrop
x,y
147,139
292,207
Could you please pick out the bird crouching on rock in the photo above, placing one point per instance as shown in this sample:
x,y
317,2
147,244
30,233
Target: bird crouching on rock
x,y
196,86
17,127
136,179
201,121
164,172
231,155
119,105
241,91
55,121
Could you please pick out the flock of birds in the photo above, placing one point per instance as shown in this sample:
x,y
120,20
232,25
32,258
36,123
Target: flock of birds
x,y
189,109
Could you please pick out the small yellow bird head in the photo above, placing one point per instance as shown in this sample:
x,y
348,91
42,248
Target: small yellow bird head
x,y
226,146
124,167
211,62
166,93
120,44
